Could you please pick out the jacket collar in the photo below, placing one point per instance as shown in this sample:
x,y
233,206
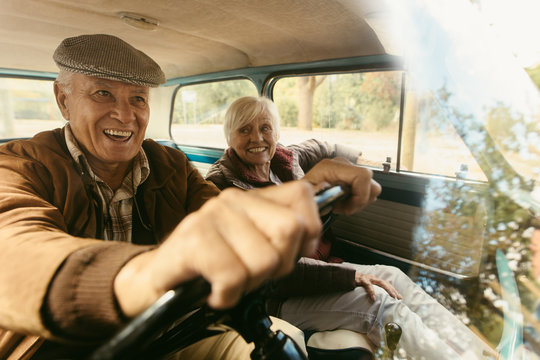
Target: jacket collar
x,y
162,173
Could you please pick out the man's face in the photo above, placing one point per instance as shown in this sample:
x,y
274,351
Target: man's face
x,y
108,118
255,143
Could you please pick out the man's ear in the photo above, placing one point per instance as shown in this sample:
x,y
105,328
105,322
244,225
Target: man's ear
x,y
61,98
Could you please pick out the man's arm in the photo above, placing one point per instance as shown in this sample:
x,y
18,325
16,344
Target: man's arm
x,y
235,241
239,239
33,241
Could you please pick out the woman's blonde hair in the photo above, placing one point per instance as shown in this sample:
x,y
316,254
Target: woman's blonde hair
x,y
243,110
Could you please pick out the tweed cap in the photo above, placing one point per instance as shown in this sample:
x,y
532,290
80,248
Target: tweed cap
x,y
108,57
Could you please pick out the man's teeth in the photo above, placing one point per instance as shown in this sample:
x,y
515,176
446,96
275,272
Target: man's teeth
x,y
258,149
117,132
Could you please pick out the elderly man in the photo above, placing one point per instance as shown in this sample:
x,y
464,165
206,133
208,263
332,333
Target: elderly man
x,y
65,191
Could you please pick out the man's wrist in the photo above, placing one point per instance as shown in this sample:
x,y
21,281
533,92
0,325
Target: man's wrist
x,y
132,286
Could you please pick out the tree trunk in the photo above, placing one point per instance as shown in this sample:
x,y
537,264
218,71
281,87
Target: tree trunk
x,y
306,90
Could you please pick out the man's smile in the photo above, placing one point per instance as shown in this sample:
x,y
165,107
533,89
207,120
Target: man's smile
x,y
118,135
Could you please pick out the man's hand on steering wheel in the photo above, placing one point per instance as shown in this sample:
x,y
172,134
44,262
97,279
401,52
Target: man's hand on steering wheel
x,y
235,241
362,189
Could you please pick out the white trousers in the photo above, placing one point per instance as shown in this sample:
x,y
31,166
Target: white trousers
x,y
429,330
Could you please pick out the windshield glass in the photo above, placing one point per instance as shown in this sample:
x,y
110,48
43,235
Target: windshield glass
x,y
469,76
457,59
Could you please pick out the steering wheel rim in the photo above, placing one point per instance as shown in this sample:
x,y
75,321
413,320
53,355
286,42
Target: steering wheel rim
x,y
152,332
144,328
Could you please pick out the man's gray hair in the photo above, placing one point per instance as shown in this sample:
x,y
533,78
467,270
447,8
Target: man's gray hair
x,y
64,80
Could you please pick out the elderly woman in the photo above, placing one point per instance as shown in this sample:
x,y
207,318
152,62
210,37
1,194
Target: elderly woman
x,y
256,159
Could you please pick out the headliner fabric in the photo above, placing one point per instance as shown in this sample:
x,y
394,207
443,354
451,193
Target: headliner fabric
x,y
195,36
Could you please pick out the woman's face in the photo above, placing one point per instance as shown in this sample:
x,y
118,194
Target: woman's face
x,y
255,143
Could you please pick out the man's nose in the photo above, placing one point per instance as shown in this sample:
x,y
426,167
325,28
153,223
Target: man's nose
x,y
123,111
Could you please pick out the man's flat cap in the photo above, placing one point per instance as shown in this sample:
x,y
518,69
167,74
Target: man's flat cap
x,y
108,57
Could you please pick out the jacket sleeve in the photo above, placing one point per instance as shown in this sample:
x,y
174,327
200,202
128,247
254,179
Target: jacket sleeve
x,y
312,151
34,243
216,176
200,190
314,277
81,304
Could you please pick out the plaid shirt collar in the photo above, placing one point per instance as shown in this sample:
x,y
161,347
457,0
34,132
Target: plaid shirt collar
x,y
116,205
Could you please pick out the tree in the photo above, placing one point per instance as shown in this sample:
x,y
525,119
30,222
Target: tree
x,y
381,95
306,89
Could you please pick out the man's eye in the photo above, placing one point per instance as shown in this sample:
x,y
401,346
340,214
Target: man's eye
x,y
103,93
140,99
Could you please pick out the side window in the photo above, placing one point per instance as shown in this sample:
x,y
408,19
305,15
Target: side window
x,y
430,143
27,107
199,109
362,110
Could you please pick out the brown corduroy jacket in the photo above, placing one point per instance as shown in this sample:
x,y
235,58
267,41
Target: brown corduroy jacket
x,y
48,218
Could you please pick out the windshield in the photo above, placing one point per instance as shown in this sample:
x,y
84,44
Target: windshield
x,y
470,77
458,60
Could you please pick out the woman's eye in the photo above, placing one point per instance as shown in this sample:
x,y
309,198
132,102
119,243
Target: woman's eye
x,y
103,93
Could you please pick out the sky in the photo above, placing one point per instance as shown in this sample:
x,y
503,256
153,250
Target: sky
x,y
517,24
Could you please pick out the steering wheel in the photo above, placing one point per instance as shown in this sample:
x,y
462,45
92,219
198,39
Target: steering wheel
x,y
158,332
180,318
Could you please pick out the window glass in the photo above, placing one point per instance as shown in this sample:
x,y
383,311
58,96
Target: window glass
x,y
199,109
362,110
430,143
27,107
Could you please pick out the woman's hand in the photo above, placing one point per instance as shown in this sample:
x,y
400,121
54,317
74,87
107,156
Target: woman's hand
x,y
367,281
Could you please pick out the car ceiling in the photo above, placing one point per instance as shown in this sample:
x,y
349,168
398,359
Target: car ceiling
x,y
198,36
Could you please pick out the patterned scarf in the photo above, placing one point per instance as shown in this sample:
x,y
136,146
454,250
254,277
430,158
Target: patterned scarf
x,y
281,165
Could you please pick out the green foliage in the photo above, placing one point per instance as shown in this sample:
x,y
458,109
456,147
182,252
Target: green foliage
x,y
207,103
288,112
501,119
366,101
381,92
286,102
356,101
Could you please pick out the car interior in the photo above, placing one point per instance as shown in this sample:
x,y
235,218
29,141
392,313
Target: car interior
x,y
456,192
